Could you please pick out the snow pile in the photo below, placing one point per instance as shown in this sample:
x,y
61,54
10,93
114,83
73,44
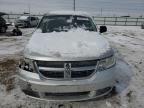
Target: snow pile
x,y
23,17
75,43
14,45
129,42
123,75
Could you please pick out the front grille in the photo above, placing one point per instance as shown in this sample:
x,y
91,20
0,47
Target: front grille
x,y
70,69
77,74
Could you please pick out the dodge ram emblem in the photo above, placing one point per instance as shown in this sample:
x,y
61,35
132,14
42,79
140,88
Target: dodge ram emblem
x,y
67,72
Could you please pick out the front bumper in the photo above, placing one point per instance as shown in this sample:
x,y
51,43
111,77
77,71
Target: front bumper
x,y
98,85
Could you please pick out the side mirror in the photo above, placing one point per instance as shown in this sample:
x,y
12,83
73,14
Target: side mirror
x,y
103,29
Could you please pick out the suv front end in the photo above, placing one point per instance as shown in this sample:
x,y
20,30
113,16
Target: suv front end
x,y
60,77
71,80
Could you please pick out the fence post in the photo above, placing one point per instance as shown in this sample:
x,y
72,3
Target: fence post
x,y
115,20
104,20
8,18
93,18
137,22
126,22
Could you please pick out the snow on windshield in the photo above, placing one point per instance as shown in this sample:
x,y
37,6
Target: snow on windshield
x,y
60,23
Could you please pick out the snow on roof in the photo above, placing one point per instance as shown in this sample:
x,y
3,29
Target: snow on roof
x,y
81,13
23,17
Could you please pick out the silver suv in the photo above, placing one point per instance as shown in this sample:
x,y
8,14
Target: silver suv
x,y
67,59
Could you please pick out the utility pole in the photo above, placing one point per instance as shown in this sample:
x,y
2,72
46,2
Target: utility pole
x,y
101,11
74,7
29,8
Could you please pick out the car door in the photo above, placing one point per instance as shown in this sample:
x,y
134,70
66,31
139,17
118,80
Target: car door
x,y
33,21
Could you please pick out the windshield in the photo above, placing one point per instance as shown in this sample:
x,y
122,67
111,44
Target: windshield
x,y
60,23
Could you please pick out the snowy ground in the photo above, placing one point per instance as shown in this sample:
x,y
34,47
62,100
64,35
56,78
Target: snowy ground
x,y
128,43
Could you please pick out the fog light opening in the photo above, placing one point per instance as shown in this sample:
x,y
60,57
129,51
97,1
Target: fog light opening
x,y
92,93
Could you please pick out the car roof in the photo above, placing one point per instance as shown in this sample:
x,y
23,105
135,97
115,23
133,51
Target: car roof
x,y
2,13
25,17
79,13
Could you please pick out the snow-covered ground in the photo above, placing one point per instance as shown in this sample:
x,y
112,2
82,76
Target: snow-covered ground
x,y
128,43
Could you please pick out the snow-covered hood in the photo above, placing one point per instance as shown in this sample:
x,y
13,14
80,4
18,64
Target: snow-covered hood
x,y
73,44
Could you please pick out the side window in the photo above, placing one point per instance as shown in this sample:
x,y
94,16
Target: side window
x,y
36,18
2,21
29,18
33,18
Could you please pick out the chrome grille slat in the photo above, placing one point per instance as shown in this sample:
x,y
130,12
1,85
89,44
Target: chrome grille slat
x,y
51,69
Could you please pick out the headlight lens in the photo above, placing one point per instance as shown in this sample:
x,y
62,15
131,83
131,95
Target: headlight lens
x,y
106,63
26,64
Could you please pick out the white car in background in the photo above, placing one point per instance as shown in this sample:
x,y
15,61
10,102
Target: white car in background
x,y
67,59
27,21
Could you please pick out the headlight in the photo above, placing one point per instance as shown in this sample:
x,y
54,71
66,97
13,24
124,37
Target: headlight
x,y
26,64
106,63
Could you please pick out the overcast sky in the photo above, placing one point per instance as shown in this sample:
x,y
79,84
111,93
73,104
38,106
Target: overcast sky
x,y
43,6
